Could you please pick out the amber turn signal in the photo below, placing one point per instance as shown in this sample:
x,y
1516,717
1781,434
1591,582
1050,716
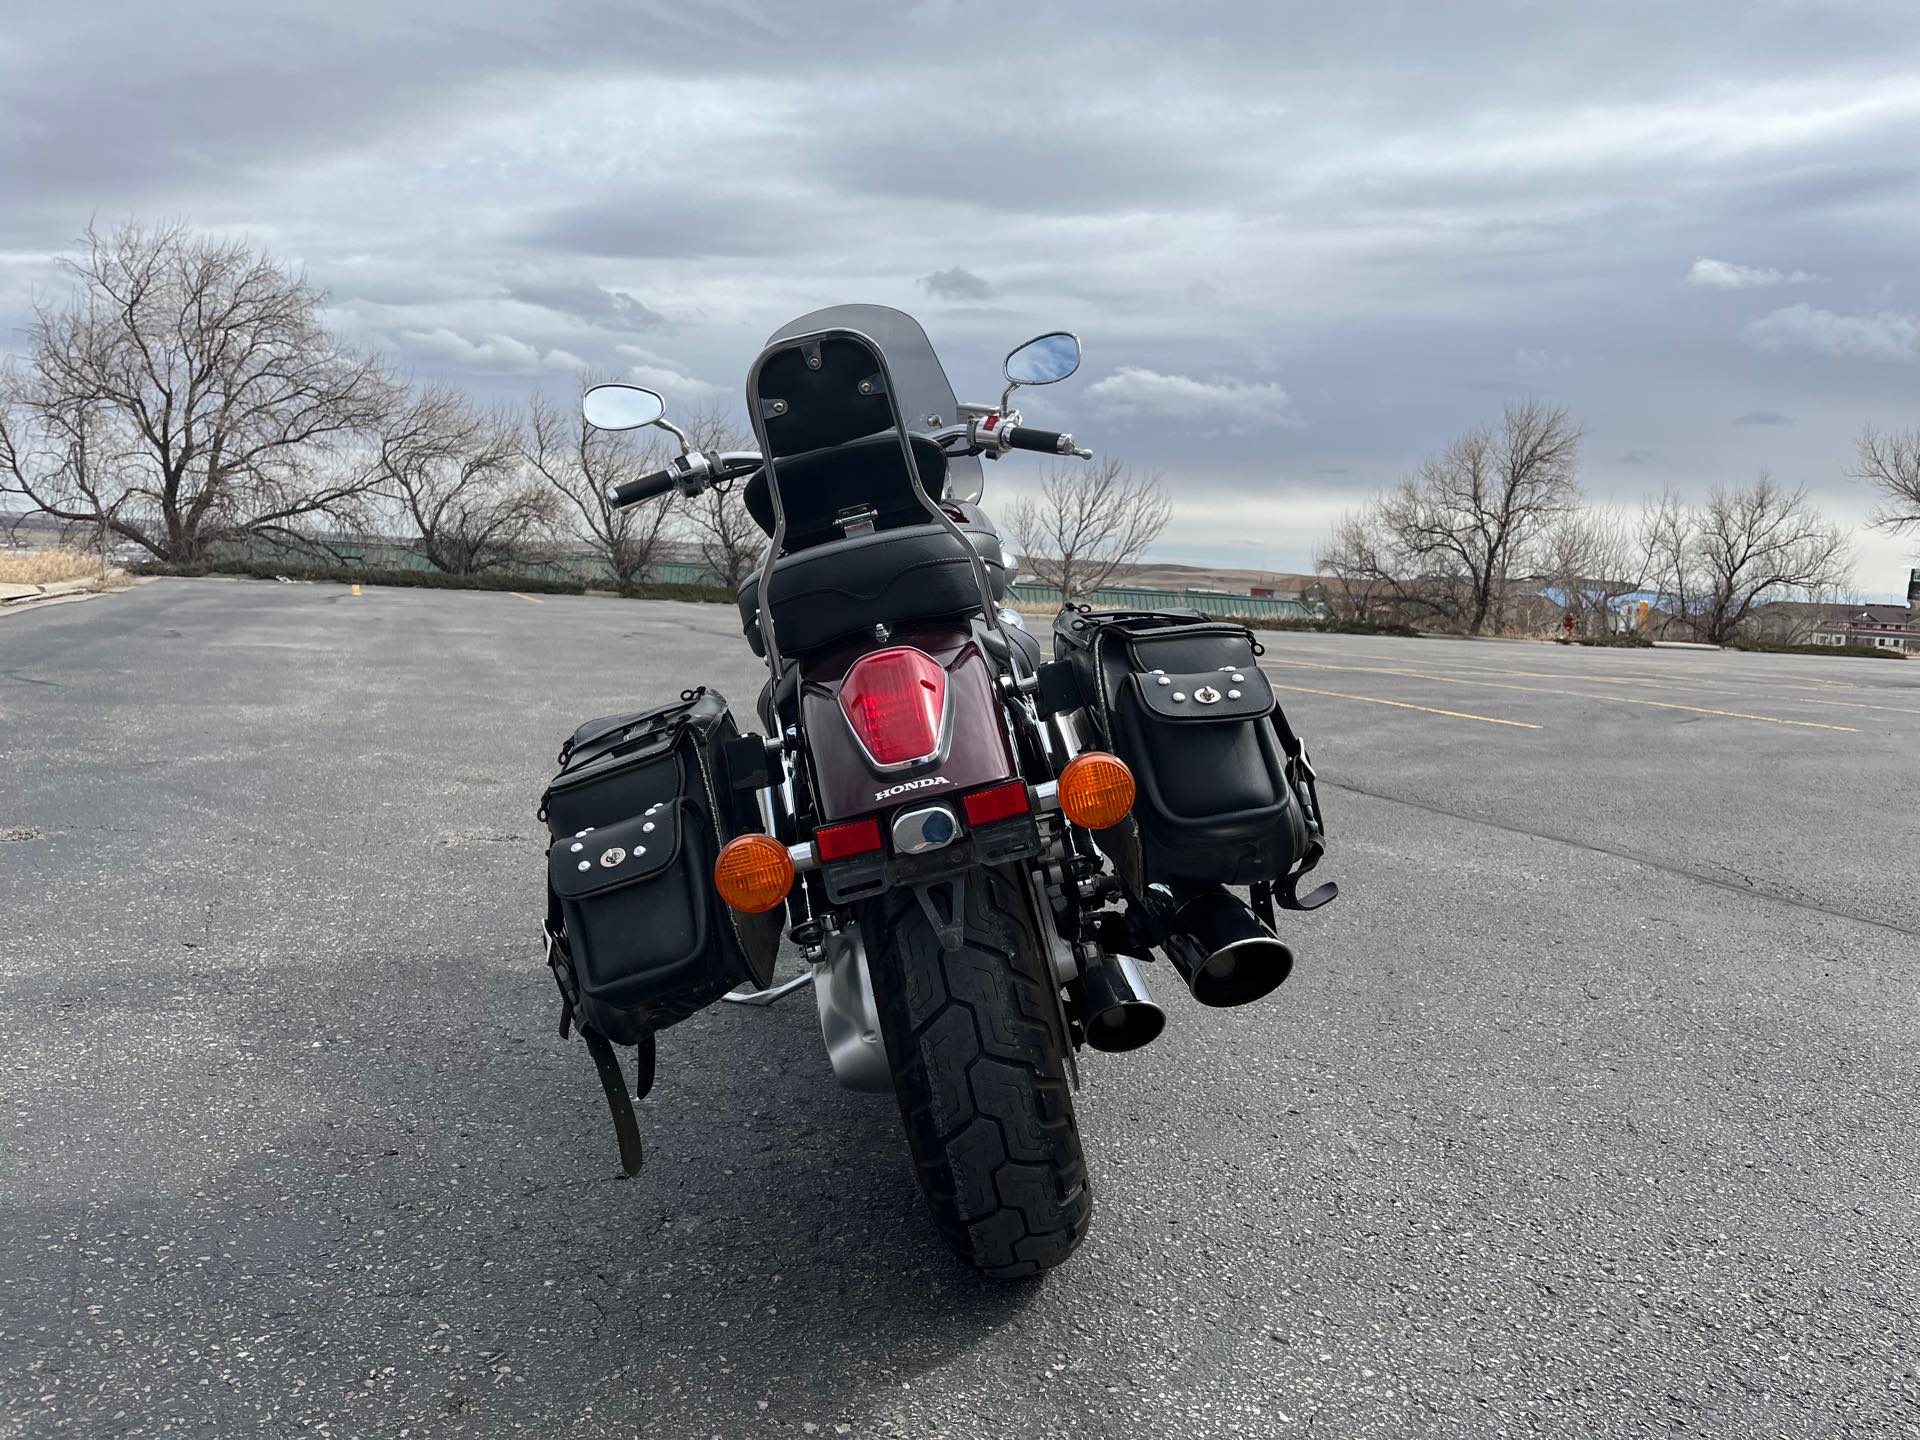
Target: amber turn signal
x,y
754,873
1096,790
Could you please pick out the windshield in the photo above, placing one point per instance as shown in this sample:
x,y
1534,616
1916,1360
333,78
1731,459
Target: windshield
x,y
924,397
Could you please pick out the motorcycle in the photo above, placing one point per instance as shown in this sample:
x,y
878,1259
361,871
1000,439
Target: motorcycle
x,y
973,846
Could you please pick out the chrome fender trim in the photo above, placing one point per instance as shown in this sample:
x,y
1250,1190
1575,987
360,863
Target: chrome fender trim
x,y
849,1018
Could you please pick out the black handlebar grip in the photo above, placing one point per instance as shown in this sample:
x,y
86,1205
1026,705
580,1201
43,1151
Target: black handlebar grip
x,y
632,492
1025,437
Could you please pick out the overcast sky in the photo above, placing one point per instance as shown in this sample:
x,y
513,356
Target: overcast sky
x,y
1304,244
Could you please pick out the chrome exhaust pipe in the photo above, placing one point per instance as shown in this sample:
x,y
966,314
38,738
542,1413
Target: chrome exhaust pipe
x,y
1116,1012
1223,952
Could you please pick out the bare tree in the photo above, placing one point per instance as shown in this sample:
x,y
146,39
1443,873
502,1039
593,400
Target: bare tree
x,y
1090,522
186,395
454,474
1891,464
1593,558
580,463
1472,515
730,540
1742,548
1357,557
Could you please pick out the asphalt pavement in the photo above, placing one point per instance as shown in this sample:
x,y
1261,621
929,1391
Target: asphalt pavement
x,y
1590,1109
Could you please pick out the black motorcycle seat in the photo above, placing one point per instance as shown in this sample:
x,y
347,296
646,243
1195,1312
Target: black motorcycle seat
x,y
828,592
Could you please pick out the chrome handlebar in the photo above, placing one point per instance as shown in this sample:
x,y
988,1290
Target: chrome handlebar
x,y
984,431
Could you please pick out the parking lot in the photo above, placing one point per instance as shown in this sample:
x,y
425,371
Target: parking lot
x,y
1590,1109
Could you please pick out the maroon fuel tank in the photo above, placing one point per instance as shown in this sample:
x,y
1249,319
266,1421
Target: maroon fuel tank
x,y
846,782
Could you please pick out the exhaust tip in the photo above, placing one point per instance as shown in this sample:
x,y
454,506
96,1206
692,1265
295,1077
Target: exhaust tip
x,y
1116,1012
1223,952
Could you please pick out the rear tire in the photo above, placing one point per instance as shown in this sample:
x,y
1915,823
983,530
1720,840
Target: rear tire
x,y
979,1065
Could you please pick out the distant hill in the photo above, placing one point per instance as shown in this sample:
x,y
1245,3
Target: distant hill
x,y
1154,576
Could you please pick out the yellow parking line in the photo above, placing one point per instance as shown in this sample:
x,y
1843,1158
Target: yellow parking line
x,y
1850,705
1405,705
1576,694
1691,682
533,599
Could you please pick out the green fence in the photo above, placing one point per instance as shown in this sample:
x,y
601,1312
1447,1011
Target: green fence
x,y
1262,607
582,565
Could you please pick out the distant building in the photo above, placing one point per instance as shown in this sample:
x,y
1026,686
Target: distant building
x,y
1801,622
1884,627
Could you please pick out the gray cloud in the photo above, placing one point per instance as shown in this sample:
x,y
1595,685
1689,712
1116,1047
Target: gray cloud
x,y
649,226
1886,335
1725,275
579,298
1762,417
954,283
1133,393
453,351
1277,201
666,375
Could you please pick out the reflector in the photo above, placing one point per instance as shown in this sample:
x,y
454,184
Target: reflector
x,y
894,700
1002,802
839,842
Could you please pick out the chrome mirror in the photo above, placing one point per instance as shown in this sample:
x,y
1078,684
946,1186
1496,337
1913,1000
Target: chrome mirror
x,y
621,407
1044,359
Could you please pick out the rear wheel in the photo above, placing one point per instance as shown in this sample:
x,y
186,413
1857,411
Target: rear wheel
x,y
979,1064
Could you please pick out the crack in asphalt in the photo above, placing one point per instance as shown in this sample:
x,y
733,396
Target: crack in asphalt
x,y
25,679
1632,856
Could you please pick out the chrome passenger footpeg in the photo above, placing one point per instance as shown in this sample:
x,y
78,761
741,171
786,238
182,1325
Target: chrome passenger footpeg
x,y
764,998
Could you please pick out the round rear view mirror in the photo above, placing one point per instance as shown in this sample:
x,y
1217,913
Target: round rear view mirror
x,y
621,407
1044,359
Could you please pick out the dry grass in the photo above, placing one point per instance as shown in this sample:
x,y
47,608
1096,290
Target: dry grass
x,y
48,567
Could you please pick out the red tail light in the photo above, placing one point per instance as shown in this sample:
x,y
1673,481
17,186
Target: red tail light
x,y
1002,802
895,699
841,842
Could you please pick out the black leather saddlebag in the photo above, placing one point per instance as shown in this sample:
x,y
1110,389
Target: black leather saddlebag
x,y
638,813
1225,793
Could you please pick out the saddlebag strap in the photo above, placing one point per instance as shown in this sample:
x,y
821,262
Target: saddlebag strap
x,y
626,1128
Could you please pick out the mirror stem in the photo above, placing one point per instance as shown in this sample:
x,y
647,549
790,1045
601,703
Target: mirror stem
x,y
674,430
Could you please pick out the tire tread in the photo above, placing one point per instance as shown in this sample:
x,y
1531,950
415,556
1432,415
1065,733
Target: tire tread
x,y
973,1037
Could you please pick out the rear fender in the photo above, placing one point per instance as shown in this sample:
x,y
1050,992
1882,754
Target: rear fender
x,y
847,785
